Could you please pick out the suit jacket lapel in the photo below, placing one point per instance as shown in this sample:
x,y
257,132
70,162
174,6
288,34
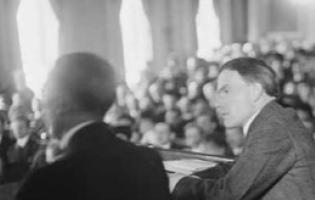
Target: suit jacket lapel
x,y
268,111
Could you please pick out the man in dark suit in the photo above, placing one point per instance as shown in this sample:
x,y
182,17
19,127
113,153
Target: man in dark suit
x,y
5,143
21,154
278,159
94,163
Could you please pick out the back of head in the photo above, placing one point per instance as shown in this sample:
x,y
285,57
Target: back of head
x,y
254,70
81,82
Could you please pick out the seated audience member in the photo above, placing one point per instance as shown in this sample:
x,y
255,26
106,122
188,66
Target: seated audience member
x,y
169,101
113,114
191,65
121,92
5,101
155,92
144,125
194,91
207,122
93,164
146,107
304,112
23,97
132,105
213,68
200,107
37,123
185,107
193,137
161,136
213,146
201,74
235,139
303,90
149,139
275,61
21,154
5,142
173,118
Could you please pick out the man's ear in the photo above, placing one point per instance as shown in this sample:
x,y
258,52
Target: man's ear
x,y
256,91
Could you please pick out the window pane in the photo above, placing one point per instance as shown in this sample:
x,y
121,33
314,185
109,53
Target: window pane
x,y
208,30
38,33
137,41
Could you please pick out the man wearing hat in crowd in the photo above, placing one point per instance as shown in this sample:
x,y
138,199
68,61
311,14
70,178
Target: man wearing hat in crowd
x,y
21,154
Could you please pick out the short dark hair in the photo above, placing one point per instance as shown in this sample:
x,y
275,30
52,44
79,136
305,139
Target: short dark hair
x,y
254,70
85,80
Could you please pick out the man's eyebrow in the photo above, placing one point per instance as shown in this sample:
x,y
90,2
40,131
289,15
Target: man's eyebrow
x,y
222,88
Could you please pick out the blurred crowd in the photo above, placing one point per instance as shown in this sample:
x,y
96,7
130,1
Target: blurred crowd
x,y
172,110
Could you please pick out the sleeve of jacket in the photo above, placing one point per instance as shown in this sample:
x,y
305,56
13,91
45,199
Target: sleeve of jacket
x,y
268,156
34,187
157,184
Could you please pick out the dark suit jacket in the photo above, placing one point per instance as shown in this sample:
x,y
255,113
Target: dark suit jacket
x,y
5,144
97,165
277,163
20,159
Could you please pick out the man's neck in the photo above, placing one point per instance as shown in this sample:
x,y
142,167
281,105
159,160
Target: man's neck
x,y
69,134
67,122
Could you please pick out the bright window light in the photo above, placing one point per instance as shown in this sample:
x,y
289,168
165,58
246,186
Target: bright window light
x,y
303,2
137,41
38,33
208,30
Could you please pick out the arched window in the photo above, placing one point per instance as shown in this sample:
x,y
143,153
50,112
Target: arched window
x,y
137,40
208,30
38,34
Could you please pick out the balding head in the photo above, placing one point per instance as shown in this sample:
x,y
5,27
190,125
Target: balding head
x,y
80,83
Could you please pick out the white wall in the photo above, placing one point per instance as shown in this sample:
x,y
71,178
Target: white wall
x,y
92,25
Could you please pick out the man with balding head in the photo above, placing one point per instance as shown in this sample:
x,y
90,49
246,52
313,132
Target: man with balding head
x,y
277,161
94,164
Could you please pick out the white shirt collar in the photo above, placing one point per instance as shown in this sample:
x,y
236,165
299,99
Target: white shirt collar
x,y
21,142
251,119
249,122
66,138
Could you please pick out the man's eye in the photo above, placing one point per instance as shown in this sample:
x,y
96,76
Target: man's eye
x,y
225,91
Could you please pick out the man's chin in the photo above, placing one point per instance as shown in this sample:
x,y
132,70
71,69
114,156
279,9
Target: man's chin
x,y
229,124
